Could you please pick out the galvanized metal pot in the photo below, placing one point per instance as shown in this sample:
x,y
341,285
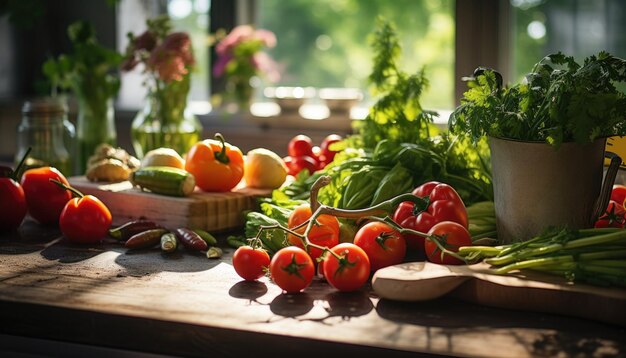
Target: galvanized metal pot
x,y
536,186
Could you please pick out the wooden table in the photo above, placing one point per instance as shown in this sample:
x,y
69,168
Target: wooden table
x,y
185,304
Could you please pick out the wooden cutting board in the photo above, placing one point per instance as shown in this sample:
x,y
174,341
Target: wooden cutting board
x,y
213,212
531,291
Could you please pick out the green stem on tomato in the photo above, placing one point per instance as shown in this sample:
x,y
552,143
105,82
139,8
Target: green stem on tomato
x,y
16,173
74,191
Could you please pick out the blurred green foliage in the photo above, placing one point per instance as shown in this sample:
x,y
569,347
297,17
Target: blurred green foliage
x,y
324,43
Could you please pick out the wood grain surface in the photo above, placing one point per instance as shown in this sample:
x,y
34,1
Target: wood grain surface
x,y
528,290
185,304
213,212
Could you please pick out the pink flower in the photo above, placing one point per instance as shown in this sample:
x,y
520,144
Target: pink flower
x,y
266,64
267,37
220,65
169,64
235,37
180,43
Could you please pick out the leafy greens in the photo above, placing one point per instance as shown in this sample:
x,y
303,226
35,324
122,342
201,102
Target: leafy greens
x,y
559,101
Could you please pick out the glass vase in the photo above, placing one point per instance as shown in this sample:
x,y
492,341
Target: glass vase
x,y
165,121
95,125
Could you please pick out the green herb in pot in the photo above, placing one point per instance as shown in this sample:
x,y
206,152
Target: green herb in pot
x,y
559,101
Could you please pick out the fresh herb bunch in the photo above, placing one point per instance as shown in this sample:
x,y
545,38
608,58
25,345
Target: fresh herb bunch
x,y
559,101
398,147
398,107
89,71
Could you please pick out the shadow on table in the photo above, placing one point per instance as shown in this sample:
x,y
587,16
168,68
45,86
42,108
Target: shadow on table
x,y
563,334
28,238
337,304
149,261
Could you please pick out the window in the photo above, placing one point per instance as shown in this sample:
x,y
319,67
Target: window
x,y
574,27
324,43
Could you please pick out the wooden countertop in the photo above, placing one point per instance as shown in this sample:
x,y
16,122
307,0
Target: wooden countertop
x,y
186,304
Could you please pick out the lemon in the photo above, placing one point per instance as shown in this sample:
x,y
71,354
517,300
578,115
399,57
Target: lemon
x,y
264,169
166,157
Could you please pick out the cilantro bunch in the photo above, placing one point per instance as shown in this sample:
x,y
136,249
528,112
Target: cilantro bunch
x,y
559,101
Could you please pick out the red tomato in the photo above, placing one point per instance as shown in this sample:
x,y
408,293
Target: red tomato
x,y
45,200
85,220
614,216
249,263
324,234
451,235
324,147
350,272
445,204
292,269
13,207
618,194
384,245
298,164
322,161
300,145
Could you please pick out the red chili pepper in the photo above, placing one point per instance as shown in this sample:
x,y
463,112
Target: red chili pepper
x,y
85,219
191,240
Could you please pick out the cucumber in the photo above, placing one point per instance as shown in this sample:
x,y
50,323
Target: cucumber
x,y
164,180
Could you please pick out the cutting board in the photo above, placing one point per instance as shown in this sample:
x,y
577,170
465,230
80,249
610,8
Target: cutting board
x,y
213,212
531,291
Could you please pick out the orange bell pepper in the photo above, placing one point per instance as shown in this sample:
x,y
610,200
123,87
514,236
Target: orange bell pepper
x,y
216,165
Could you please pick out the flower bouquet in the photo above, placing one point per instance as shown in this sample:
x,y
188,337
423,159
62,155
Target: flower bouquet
x,y
167,59
240,58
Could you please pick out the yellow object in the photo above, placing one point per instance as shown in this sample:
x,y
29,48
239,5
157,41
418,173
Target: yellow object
x,y
163,157
616,145
264,169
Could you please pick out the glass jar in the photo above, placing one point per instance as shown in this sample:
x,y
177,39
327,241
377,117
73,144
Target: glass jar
x,y
166,121
95,125
45,129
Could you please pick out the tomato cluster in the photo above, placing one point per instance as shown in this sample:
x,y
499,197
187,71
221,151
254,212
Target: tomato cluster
x,y
615,213
347,266
45,194
304,155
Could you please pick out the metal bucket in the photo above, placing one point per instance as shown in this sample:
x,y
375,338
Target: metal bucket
x,y
536,186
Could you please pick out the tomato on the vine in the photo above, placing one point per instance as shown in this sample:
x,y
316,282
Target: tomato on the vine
x,y
613,216
325,151
384,245
292,269
250,263
444,204
298,164
451,236
45,200
300,145
324,233
351,271
618,194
